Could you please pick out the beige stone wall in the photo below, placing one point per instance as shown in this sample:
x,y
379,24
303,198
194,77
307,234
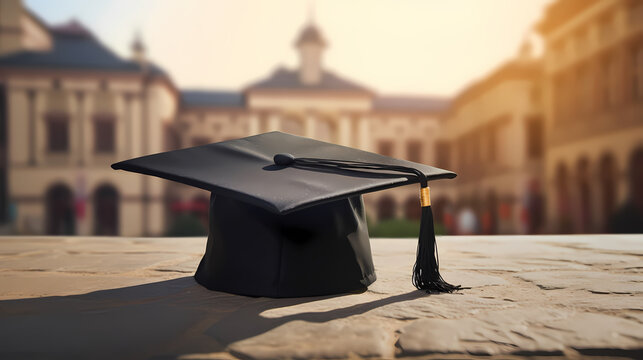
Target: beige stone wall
x,y
487,141
343,119
19,30
81,169
601,119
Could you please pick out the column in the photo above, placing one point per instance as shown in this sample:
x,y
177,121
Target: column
x,y
80,126
309,125
364,133
120,126
127,124
274,122
344,130
87,130
32,114
253,124
40,128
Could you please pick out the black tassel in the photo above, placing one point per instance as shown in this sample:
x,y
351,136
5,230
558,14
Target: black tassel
x,y
426,272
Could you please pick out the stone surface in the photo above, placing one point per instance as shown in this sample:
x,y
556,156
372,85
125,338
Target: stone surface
x,y
554,296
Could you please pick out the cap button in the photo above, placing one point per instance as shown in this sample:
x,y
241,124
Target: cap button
x,y
284,159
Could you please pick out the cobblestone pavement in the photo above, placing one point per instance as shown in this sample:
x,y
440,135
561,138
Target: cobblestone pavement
x,y
539,296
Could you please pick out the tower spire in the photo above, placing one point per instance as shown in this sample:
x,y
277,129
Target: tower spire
x,y
311,45
138,49
311,12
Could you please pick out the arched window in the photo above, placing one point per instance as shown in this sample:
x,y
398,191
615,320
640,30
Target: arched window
x,y
385,208
584,195
60,211
106,203
292,125
607,175
325,130
412,208
562,199
489,218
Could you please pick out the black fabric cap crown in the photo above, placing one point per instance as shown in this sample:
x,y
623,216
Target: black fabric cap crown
x,y
286,214
244,169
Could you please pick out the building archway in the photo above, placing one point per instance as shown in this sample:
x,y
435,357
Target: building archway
x,y
59,207
325,130
412,208
106,204
443,214
489,218
584,195
385,208
292,124
562,199
608,173
535,208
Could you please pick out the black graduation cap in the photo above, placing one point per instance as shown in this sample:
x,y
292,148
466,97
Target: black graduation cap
x,y
286,214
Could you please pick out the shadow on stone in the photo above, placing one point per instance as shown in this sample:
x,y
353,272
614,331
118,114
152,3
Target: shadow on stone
x,y
150,320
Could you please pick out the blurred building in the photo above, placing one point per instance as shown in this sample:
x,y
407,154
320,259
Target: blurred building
x,y
69,107
593,71
314,102
493,136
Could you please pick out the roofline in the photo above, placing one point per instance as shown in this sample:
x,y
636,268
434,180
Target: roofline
x,y
408,111
22,71
510,70
37,19
199,108
306,92
557,13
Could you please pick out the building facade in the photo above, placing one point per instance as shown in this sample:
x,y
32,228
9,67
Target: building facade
x,y
492,136
593,70
314,102
71,107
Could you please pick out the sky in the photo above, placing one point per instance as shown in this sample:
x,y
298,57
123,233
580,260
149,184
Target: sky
x,y
420,47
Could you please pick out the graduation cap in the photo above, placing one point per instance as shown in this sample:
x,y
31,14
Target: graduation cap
x,y
287,217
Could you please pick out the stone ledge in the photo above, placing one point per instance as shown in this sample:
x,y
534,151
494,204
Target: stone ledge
x,y
555,296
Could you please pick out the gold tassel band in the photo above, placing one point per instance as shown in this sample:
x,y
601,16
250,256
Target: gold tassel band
x,y
425,197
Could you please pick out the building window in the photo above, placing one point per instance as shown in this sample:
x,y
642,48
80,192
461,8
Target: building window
x,y
325,130
443,154
386,208
292,125
535,138
414,151
385,147
610,82
104,134
562,97
583,90
637,73
606,28
492,143
57,133
580,41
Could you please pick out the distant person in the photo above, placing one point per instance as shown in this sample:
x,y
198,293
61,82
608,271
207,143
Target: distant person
x,y
628,219
467,222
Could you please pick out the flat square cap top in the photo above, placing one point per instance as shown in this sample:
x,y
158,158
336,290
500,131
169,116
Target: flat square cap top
x,y
244,169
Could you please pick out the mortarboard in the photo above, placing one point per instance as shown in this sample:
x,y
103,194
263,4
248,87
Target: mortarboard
x,y
287,217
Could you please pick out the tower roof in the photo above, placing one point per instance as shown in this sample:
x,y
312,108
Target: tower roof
x,y
311,34
137,43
